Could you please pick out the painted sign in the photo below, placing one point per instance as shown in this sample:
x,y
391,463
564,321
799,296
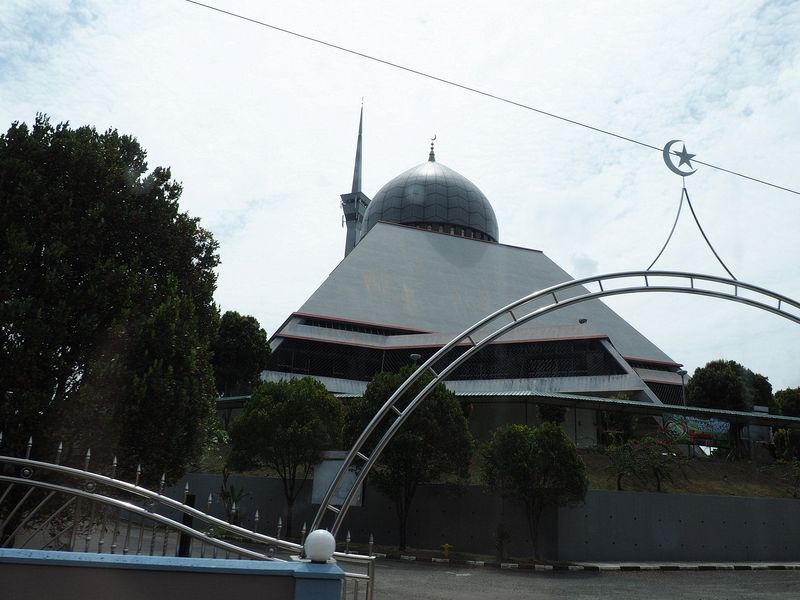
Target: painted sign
x,y
700,432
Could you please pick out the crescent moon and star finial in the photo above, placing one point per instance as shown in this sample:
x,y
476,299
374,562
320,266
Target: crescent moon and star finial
x,y
685,159
432,156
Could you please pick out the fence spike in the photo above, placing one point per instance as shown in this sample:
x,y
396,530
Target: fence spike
x,y
303,534
255,522
210,500
280,525
28,449
87,459
161,483
371,541
185,492
138,474
347,543
114,468
58,452
1,438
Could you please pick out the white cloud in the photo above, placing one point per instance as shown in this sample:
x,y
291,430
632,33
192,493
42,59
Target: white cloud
x,y
260,128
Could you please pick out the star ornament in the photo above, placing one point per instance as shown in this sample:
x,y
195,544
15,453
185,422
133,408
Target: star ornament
x,y
684,156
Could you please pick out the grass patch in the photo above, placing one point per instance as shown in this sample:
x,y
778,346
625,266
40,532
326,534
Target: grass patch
x,y
704,476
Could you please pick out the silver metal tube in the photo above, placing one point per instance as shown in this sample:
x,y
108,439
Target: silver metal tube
x,y
89,527
76,517
49,519
27,518
116,532
14,511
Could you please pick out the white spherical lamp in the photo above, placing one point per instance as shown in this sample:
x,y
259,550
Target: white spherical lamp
x,y
320,546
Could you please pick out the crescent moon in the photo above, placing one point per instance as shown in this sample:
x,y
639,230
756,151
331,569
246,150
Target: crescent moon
x,y
433,139
668,160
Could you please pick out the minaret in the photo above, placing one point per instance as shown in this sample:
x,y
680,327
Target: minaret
x,y
355,203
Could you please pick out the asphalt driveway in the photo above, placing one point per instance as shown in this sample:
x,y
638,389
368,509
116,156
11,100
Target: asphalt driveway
x,y
396,580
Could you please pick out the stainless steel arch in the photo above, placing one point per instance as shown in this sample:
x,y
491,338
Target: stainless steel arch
x,y
497,324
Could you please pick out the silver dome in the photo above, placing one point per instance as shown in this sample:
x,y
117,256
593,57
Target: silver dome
x,y
435,197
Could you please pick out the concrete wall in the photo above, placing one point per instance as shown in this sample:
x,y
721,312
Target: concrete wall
x,y
621,526
36,574
465,517
615,526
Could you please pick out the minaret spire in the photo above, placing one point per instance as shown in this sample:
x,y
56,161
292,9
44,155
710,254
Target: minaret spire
x,y
354,204
357,169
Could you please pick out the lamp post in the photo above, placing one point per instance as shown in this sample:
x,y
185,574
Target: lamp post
x,y
682,373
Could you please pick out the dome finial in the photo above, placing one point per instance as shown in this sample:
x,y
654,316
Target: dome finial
x,y
432,156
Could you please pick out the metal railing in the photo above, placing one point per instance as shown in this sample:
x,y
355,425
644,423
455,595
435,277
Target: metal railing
x,y
47,505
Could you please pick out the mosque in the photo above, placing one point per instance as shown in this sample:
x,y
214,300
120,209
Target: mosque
x,y
422,262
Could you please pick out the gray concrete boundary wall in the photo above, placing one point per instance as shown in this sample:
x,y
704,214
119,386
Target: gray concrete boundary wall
x,y
610,526
642,526
464,516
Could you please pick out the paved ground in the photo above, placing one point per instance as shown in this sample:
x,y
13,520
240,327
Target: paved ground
x,y
396,580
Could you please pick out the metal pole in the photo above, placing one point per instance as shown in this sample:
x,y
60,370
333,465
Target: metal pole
x,y
682,373
185,542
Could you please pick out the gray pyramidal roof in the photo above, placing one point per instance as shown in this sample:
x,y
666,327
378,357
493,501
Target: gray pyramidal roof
x,y
426,281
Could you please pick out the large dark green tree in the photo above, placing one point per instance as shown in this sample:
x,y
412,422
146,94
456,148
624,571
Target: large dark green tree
x,y
788,401
434,442
106,309
537,466
285,426
241,352
727,385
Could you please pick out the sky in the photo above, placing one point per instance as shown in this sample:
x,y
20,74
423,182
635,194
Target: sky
x,y
260,128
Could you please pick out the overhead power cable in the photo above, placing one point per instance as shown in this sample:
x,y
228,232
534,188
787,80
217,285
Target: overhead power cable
x,y
473,90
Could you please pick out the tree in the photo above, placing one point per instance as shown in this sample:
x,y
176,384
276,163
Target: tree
x,y
433,442
539,467
758,389
107,307
787,444
727,385
719,384
788,401
241,352
285,425
624,461
652,456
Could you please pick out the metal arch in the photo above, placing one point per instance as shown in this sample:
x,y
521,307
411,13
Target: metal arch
x,y
571,292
